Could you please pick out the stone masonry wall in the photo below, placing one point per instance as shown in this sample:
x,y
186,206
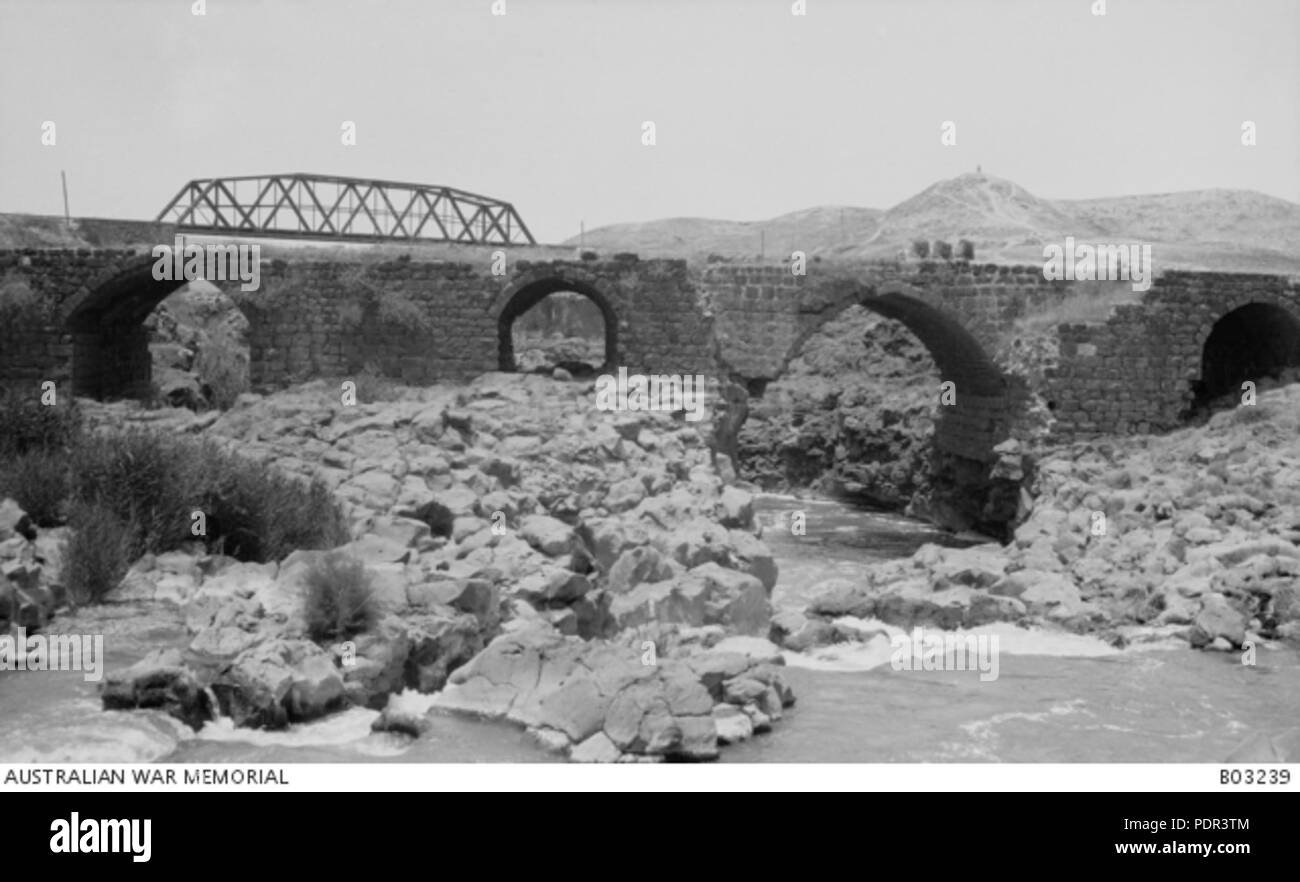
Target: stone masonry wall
x,y
1128,372
964,313
1134,373
315,319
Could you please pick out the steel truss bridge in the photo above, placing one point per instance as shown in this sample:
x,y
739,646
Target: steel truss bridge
x,y
310,206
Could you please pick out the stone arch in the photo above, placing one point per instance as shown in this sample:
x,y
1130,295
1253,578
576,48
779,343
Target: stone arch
x,y
986,401
959,355
110,345
957,351
524,294
962,491
1257,337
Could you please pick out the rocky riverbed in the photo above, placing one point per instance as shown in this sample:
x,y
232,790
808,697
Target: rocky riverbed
x,y
601,582
581,573
1192,535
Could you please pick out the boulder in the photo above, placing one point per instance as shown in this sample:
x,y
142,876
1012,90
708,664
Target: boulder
x,y
706,595
732,724
548,535
598,700
159,681
910,603
1218,619
440,641
637,566
279,682
736,508
624,495
696,542
750,555
841,597
14,521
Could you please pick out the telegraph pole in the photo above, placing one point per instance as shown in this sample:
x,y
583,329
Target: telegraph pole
x,y
67,216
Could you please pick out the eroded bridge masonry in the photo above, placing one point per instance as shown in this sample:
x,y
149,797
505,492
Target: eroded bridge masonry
x,y
1137,367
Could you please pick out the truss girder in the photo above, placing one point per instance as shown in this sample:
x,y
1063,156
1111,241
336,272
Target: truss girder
x,y
295,206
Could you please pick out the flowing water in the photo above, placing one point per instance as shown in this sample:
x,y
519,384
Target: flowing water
x,y
1057,697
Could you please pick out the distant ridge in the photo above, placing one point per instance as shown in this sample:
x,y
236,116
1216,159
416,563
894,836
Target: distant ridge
x,y
1230,230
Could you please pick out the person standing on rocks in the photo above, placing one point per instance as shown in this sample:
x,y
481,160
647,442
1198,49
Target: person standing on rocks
x,y
731,413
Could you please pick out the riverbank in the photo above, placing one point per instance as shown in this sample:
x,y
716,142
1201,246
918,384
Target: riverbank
x,y
1059,697
1189,536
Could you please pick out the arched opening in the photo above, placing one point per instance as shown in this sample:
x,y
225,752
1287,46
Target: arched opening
x,y
908,407
1258,341
958,355
556,323
198,347
851,415
167,342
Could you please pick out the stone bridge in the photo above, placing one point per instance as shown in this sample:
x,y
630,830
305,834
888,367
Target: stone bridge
x,y
1134,367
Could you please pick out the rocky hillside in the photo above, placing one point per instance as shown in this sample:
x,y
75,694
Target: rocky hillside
x,y
699,237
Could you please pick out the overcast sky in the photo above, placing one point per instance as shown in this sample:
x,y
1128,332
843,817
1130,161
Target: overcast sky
x,y
757,111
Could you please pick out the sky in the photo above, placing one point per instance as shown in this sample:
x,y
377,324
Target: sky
x,y
756,111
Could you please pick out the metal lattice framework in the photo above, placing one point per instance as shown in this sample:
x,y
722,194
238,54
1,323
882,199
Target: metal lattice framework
x,y
325,207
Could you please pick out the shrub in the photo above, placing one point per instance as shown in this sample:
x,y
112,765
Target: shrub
x,y
397,310
390,307
340,601
921,248
223,374
257,513
98,552
155,483
373,385
19,301
146,479
27,424
942,249
38,481
126,493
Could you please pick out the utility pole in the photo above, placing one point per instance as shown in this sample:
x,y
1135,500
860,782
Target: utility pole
x,y
67,216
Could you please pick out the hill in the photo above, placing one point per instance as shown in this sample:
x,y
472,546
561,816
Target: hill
x,y
1228,230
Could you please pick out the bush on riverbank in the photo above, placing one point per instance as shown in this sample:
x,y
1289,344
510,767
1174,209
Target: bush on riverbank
x,y
128,493
38,481
340,601
160,485
98,553
26,424
34,443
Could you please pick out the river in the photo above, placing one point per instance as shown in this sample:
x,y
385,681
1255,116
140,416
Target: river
x,y
1057,697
